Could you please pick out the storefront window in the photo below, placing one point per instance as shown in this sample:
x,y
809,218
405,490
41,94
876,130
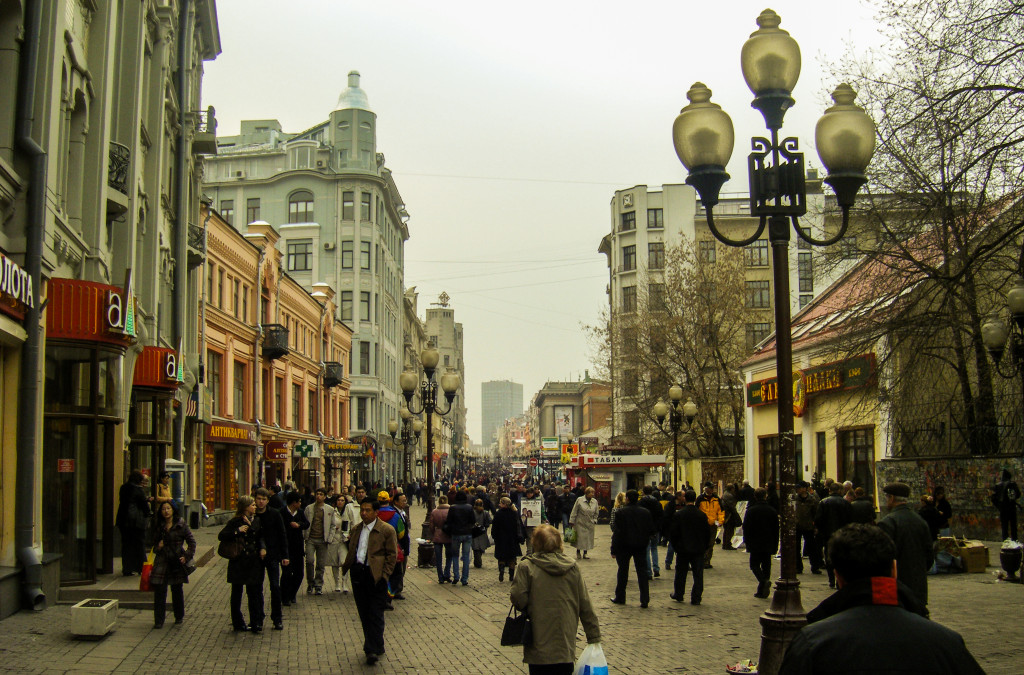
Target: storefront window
x,y
857,453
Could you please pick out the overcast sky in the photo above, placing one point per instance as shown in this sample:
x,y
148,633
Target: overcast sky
x,y
509,126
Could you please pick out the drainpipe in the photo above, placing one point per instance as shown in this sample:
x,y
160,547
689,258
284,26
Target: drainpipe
x,y
186,20
257,359
28,398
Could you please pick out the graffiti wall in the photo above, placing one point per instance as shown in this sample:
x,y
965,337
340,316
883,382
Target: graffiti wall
x,y
967,481
725,469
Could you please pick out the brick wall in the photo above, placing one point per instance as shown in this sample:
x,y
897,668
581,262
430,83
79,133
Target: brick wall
x,y
966,479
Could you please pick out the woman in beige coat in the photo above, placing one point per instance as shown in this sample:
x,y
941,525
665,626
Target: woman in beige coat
x,y
584,520
550,588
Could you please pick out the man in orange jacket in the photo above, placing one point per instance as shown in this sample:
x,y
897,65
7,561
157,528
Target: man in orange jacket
x,y
710,505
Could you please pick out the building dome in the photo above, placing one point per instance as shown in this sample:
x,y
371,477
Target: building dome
x,y
353,97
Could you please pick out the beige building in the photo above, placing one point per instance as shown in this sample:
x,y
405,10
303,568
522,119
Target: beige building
x,y
101,129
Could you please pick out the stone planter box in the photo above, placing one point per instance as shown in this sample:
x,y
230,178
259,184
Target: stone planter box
x,y
93,618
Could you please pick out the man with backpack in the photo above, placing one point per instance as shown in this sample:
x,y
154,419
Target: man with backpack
x,y
1004,497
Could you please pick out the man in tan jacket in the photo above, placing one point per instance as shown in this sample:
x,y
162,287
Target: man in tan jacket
x,y
372,555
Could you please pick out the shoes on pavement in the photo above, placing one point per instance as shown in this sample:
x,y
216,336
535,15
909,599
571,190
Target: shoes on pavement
x,y
344,590
694,602
674,597
255,628
668,567
643,605
158,625
709,566
241,628
309,590
371,659
501,574
399,596
337,589
718,540
465,583
657,573
279,625
285,603
178,622
319,591
389,608
578,554
617,602
815,571
585,556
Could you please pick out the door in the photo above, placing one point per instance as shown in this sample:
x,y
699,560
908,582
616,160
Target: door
x,y
71,497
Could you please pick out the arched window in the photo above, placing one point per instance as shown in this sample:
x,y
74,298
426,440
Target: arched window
x,y
300,207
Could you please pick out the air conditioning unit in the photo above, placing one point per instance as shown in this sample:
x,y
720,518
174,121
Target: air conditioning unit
x,y
239,174
329,245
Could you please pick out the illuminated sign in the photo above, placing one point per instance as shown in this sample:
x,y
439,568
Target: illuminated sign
x,y
840,375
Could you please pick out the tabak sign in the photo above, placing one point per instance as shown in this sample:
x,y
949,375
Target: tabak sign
x,y
851,373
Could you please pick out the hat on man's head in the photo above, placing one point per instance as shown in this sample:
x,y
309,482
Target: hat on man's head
x,y
383,496
803,484
709,484
897,490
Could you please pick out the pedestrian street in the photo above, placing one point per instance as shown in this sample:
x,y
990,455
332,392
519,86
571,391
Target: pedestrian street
x,y
446,629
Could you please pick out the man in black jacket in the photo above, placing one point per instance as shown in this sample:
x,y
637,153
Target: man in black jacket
x,y
651,503
630,539
872,622
666,522
914,552
689,533
295,522
460,524
566,501
272,527
761,537
833,512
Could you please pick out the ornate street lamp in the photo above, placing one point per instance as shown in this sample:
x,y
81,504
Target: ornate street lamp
x,y
676,414
428,404
997,335
411,429
845,139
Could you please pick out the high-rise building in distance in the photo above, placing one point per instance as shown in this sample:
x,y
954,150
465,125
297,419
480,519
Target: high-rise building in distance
x,y
499,400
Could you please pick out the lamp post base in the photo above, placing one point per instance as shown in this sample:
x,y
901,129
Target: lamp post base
x,y
779,624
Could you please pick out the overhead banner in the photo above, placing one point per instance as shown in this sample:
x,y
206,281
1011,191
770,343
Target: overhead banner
x,y
842,375
564,421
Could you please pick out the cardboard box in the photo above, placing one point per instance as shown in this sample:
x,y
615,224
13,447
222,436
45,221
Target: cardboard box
x,y
974,555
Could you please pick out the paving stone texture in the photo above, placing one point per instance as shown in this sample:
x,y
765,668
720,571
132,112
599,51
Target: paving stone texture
x,y
445,629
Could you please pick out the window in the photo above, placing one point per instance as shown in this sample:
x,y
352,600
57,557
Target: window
x,y
252,210
346,305
296,405
364,305
756,333
629,258
237,306
805,299
805,272
213,368
656,297
758,295
220,288
629,382
655,219
360,412
801,243
348,206
632,422
656,256
629,298
822,447
848,247
364,358
278,401
311,410
346,255
364,209
239,409
628,221
756,253
227,210
364,256
300,207
706,251
857,456
300,256
245,304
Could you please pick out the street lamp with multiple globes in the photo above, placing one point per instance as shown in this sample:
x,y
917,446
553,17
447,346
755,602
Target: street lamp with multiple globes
x,y
412,427
845,138
428,404
997,336
676,414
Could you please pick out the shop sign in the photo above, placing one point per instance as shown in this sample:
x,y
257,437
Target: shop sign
x,y
624,460
86,310
306,449
16,289
552,452
158,367
121,308
65,466
837,376
587,441
343,450
231,433
275,451
549,443
600,475
572,449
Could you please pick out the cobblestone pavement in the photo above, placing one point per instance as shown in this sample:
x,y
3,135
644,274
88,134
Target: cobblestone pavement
x,y
443,629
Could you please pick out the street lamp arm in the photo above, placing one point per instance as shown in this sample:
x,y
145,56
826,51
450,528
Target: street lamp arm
x,y
438,411
802,232
733,242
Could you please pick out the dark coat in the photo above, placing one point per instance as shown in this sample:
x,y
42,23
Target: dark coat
x,y
689,531
761,528
274,536
651,503
852,632
666,519
833,513
296,543
633,529
931,515
247,568
945,512
460,519
862,510
133,510
167,566
914,554
507,532
276,501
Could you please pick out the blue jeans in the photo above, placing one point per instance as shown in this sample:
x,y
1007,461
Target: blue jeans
x,y
463,542
652,556
565,521
669,555
446,550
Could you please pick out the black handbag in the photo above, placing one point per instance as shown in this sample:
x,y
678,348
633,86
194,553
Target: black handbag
x,y
518,629
478,531
231,549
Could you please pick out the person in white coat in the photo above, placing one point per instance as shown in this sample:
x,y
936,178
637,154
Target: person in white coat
x,y
349,520
584,520
324,527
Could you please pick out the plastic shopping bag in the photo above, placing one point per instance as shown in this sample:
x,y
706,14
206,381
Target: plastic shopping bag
x,y
592,661
147,569
569,536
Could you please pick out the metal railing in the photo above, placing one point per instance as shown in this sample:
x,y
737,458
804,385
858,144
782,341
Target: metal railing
x,y
119,159
333,374
195,238
936,429
275,341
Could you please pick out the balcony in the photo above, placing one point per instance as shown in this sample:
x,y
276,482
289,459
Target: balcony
x,y
334,373
196,246
275,341
119,159
204,142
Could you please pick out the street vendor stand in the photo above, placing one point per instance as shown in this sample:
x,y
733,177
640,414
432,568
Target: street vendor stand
x,y
611,474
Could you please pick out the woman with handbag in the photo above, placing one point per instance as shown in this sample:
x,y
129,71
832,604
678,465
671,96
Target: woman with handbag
x,y
508,534
242,544
550,590
481,540
174,547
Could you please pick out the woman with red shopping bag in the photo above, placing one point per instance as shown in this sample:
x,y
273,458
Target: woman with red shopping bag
x,y
174,548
